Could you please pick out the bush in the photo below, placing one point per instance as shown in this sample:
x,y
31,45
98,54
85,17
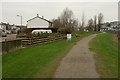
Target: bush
x,y
21,35
41,35
29,36
65,30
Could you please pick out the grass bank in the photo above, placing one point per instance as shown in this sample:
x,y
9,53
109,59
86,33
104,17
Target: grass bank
x,y
37,61
106,48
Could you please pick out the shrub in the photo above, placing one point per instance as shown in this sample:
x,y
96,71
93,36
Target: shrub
x,y
21,35
65,30
29,36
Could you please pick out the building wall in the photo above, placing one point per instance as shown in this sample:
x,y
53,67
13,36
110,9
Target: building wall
x,y
37,23
3,27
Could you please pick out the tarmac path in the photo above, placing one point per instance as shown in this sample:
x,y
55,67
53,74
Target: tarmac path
x,y
79,62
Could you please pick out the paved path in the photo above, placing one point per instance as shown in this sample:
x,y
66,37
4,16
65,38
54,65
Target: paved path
x,y
79,62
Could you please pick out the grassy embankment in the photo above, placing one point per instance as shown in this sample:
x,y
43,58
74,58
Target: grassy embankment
x,y
37,61
106,48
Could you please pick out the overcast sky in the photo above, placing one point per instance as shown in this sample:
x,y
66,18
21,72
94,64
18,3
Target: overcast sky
x,y
52,10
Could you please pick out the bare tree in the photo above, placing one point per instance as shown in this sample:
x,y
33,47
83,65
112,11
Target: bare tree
x,y
82,23
68,22
75,25
100,20
90,25
95,23
81,28
66,17
83,20
56,23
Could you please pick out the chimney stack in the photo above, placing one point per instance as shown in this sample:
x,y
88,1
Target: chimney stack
x,y
42,16
37,15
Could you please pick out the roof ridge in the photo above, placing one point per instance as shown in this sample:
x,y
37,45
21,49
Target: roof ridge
x,y
40,18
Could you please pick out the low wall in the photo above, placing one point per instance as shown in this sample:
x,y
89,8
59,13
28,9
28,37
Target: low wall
x,y
8,46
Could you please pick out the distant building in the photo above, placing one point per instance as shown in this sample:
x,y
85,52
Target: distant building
x,y
111,26
8,28
3,26
38,23
21,28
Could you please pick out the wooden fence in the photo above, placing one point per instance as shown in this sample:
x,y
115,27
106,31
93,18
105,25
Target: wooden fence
x,y
36,40
8,46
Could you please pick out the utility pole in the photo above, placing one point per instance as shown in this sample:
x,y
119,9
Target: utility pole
x,y
21,22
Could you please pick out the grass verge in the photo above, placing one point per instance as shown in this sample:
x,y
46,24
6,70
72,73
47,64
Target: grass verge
x,y
106,48
38,61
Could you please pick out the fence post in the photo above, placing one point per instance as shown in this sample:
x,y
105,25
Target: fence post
x,y
20,42
31,41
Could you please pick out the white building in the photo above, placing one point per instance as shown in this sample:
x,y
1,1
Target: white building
x,y
38,23
3,26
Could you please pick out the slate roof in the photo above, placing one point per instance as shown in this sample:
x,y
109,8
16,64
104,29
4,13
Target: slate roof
x,y
40,18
